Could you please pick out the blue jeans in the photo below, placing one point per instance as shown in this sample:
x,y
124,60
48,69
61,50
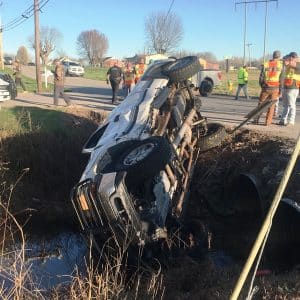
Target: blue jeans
x,y
244,88
289,98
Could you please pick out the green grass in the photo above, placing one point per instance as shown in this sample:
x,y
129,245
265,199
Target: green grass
x,y
19,120
95,73
253,86
30,84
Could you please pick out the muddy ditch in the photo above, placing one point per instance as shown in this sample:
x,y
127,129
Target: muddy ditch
x,y
232,188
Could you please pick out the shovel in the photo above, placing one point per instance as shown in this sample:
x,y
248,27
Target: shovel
x,y
254,112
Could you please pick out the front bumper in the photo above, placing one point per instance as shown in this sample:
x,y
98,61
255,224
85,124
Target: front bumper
x,y
75,73
4,95
105,204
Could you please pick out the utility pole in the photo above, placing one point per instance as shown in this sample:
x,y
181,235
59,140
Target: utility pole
x,y
249,61
37,45
245,3
1,42
1,47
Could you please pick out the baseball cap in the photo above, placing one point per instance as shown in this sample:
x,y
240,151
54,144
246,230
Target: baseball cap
x,y
293,55
276,54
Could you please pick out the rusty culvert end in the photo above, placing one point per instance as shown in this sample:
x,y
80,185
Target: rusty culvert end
x,y
242,209
240,198
283,246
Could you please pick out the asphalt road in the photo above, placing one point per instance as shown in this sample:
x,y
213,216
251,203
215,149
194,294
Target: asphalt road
x,y
96,95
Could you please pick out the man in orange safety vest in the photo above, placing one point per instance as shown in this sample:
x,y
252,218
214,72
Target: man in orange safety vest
x,y
128,78
271,82
291,89
139,70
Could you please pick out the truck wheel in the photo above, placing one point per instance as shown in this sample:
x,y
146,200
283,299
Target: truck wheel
x,y
182,68
145,158
214,137
206,88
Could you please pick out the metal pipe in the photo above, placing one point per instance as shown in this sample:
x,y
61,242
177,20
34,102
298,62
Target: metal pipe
x,y
245,33
265,33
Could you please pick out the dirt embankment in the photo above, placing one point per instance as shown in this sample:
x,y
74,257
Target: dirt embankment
x,y
43,165
221,232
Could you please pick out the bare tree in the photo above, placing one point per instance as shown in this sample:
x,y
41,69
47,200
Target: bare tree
x,y
49,39
22,55
92,45
163,32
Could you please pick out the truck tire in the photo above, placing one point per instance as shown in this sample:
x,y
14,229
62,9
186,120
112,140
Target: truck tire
x,y
182,68
206,88
213,138
144,158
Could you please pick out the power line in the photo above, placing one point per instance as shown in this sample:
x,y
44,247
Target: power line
x,y
245,21
169,10
28,13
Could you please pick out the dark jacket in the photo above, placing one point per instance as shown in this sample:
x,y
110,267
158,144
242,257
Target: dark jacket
x,y
115,74
59,75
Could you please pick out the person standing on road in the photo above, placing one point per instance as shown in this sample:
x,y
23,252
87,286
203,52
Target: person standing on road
x,y
114,76
271,82
291,89
242,82
139,70
59,81
128,79
17,72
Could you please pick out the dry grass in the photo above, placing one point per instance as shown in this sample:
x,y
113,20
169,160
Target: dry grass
x,y
253,86
185,278
15,275
109,280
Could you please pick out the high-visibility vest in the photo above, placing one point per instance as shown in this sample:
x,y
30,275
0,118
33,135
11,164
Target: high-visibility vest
x,y
291,78
242,76
139,70
272,71
128,76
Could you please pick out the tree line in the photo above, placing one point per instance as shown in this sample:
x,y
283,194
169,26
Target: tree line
x,y
163,34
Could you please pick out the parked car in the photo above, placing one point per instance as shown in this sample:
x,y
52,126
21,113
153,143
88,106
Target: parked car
x,y
8,60
73,68
136,181
8,89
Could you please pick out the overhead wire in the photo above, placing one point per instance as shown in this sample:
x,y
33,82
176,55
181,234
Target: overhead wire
x,y
169,10
23,17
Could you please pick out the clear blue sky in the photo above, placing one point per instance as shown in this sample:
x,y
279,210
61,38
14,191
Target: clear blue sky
x,y
209,25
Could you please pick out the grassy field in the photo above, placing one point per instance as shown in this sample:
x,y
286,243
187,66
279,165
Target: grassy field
x,y
253,86
95,73
19,120
30,84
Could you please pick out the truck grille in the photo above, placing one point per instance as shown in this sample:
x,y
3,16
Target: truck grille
x,y
85,200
